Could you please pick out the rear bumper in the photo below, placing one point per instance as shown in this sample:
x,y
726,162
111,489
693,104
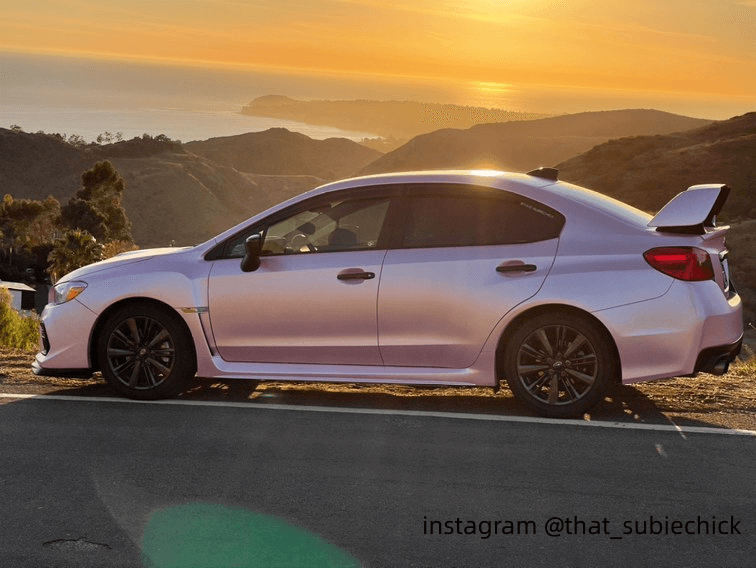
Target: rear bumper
x,y
716,360
693,328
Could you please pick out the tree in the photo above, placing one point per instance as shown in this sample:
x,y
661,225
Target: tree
x,y
26,224
77,141
73,250
105,138
113,248
96,207
84,215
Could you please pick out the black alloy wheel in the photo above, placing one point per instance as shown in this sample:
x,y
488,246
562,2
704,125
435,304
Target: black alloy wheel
x,y
145,353
559,365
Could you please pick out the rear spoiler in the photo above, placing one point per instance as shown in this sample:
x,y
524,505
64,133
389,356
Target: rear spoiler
x,y
692,211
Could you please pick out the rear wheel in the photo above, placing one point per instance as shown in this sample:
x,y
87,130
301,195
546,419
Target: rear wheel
x,y
559,364
145,352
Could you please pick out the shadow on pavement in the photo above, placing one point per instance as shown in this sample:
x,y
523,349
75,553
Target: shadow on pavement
x,y
624,403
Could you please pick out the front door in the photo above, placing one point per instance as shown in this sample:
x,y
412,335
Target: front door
x,y
313,298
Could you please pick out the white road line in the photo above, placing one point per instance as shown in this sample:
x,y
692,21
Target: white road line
x,y
385,412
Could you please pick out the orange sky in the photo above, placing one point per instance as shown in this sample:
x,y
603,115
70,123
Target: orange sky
x,y
665,48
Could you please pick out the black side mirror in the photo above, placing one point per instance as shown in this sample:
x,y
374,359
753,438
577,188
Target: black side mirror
x,y
252,248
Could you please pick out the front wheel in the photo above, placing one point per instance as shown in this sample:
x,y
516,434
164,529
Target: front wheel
x,y
559,365
145,352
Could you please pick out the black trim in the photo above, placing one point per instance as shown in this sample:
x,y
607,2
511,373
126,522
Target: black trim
x,y
356,276
711,356
516,268
683,229
43,337
64,373
551,174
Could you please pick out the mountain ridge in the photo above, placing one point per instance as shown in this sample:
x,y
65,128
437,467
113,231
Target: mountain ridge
x,y
647,171
528,144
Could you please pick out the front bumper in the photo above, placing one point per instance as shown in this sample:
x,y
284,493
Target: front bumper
x,y
41,371
65,334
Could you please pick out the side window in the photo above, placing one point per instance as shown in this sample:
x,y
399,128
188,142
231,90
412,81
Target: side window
x,y
339,225
465,220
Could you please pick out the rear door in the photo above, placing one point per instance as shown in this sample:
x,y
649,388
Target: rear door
x,y
465,257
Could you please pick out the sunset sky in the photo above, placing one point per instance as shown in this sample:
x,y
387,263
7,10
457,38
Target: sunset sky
x,y
487,51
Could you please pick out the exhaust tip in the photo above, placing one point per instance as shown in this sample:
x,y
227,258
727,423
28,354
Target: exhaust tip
x,y
721,366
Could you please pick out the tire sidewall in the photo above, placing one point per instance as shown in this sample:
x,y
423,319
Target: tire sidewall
x,y
606,364
184,364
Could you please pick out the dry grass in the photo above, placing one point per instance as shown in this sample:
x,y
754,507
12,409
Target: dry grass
x,y
728,401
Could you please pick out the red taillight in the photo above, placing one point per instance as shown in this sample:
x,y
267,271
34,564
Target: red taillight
x,y
683,263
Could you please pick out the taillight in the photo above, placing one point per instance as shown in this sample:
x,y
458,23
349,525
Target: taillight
x,y
683,263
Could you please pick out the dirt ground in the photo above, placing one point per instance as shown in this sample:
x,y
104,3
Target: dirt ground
x,y
727,401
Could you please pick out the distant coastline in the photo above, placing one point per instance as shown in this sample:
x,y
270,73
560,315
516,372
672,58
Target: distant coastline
x,y
176,123
392,120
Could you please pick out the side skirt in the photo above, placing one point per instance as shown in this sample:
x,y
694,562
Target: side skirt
x,y
472,376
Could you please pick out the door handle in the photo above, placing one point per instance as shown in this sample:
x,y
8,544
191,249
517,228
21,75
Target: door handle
x,y
356,276
516,268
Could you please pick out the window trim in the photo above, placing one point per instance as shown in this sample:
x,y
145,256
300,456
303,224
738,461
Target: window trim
x,y
465,190
395,224
221,251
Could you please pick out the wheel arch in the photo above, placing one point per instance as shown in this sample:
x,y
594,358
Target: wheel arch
x,y
105,315
551,309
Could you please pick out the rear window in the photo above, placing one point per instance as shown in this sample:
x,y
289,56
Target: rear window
x,y
615,208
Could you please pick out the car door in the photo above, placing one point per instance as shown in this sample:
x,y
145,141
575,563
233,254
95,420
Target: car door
x,y
313,297
467,255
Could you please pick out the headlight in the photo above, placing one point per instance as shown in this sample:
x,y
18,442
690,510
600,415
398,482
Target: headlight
x,y
65,292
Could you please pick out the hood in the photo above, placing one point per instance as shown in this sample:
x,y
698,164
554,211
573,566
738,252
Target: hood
x,y
120,260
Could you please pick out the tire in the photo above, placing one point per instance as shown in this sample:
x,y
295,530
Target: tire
x,y
145,352
559,364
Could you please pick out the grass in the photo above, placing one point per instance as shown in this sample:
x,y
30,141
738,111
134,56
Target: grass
x,y
16,330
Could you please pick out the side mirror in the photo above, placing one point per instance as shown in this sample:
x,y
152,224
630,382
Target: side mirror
x,y
252,248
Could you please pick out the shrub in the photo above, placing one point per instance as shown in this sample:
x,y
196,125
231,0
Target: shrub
x,y
16,330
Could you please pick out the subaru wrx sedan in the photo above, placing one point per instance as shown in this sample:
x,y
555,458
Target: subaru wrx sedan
x,y
426,278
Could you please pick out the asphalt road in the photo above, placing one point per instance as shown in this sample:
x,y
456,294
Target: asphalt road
x,y
99,484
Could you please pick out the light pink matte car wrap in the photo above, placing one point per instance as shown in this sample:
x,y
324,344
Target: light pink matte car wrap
x,y
430,316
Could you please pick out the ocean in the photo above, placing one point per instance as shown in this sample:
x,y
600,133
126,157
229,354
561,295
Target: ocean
x,y
183,124
73,95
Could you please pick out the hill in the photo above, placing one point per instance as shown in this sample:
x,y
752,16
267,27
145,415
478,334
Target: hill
x,y
524,145
172,194
390,119
278,151
647,171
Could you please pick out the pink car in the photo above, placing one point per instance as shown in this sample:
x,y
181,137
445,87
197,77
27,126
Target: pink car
x,y
427,278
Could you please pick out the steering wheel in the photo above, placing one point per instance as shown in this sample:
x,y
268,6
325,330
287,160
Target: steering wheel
x,y
299,241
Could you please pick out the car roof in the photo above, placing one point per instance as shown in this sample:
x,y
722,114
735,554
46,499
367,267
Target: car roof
x,y
557,194
492,178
